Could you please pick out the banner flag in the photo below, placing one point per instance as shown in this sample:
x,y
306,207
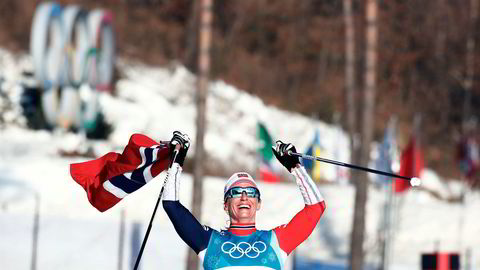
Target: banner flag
x,y
110,178
411,164
265,171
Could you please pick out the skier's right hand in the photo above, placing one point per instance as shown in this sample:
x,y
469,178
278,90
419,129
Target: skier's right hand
x,y
179,141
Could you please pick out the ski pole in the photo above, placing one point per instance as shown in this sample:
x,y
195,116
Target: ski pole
x,y
414,181
147,233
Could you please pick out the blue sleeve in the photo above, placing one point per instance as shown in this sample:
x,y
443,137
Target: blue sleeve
x,y
187,226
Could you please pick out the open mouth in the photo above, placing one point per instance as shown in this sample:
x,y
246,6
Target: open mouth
x,y
244,206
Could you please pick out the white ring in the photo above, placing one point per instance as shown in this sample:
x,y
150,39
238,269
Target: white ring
x,y
102,53
76,44
244,248
46,44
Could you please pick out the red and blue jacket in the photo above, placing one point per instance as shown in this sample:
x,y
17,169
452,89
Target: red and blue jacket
x,y
242,246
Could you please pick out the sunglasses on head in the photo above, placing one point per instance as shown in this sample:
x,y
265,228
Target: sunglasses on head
x,y
236,192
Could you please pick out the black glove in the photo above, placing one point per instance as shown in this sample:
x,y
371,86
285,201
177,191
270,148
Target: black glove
x,y
281,152
181,140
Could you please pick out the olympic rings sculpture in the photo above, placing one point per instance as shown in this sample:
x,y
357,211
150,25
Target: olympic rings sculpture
x,y
73,53
71,46
237,251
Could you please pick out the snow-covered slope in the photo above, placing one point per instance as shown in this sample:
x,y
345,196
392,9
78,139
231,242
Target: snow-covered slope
x,y
162,100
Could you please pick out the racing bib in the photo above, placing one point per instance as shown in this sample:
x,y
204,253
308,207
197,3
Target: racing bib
x,y
228,250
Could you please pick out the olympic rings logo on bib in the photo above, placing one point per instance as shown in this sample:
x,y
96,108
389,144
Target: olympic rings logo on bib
x,y
237,251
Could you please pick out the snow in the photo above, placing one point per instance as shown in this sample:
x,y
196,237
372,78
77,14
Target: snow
x,y
158,100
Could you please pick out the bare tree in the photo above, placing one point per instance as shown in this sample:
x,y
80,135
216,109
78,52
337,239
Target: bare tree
x,y
350,82
470,62
202,88
367,121
192,37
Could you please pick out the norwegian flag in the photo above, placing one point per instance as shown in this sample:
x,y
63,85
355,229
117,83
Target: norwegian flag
x,y
110,178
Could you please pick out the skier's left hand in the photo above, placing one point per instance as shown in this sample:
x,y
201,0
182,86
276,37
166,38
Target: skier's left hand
x,y
281,150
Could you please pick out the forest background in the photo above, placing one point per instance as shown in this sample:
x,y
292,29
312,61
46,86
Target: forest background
x,y
292,55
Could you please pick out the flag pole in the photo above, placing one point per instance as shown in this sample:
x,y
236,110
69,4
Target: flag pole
x,y
385,251
36,226
121,239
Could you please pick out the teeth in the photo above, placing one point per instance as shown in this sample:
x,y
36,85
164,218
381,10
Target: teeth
x,y
244,206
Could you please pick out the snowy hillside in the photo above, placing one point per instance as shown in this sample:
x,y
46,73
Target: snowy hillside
x,y
163,100
156,101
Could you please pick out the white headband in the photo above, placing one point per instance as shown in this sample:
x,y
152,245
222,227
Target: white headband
x,y
238,177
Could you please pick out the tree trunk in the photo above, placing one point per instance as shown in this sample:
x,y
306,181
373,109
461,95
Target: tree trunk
x,y
202,85
191,52
470,63
350,82
357,255
441,37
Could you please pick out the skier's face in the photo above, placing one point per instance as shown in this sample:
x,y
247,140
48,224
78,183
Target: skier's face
x,y
242,209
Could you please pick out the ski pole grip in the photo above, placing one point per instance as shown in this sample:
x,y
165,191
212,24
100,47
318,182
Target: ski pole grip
x,y
177,147
176,150
175,153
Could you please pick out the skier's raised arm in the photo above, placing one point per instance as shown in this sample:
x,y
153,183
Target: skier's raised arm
x,y
187,226
301,226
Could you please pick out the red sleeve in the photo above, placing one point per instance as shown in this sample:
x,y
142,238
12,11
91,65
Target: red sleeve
x,y
300,227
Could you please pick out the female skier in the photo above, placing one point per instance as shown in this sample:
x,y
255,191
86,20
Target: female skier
x,y
242,246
